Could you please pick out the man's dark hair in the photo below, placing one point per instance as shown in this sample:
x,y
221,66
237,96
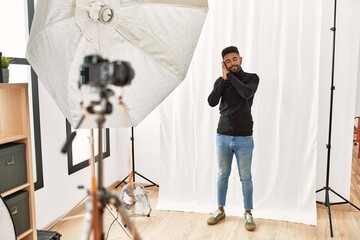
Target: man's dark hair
x,y
231,49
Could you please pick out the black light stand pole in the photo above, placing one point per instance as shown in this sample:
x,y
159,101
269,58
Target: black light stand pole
x,y
101,189
133,172
328,146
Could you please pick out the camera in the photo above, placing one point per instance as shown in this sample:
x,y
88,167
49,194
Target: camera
x,y
99,72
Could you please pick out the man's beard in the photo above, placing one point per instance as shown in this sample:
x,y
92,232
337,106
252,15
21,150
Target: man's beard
x,y
235,68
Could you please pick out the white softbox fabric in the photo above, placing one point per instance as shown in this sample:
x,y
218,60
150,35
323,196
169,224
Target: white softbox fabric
x,y
157,37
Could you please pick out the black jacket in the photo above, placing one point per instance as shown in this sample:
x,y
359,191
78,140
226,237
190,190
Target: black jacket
x,y
237,94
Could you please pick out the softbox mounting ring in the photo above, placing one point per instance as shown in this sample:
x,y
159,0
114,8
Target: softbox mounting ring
x,y
101,13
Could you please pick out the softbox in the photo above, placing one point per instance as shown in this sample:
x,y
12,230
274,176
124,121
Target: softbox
x,y
157,37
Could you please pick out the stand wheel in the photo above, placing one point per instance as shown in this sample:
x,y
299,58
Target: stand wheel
x,y
148,215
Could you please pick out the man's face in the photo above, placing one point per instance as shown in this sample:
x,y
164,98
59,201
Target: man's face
x,y
232,62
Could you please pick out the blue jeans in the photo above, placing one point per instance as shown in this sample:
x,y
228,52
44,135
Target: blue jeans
x,y
242,147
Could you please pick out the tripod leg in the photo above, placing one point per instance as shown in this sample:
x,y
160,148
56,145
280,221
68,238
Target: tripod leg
x,y
123,181
113,199
154,184
345,200
117,220
327,203
322,189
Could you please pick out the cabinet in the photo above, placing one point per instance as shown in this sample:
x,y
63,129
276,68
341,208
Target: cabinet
x,y
15,128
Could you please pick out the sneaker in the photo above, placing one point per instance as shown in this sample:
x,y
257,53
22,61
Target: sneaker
x,y
249,222
216,217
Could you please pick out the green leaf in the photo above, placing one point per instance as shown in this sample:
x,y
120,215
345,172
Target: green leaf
x,y
6,61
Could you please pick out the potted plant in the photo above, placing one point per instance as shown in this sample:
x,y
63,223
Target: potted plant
x,y
5,63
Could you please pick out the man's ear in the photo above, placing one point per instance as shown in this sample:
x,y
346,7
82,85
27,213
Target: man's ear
x,y
240,60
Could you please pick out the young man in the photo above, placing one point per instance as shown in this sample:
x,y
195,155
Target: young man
x,y
236,90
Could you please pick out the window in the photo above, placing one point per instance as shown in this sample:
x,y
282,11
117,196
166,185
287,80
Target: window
x,y
78,160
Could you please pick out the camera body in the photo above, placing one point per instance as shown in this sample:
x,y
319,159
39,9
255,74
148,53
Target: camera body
x,y
99,72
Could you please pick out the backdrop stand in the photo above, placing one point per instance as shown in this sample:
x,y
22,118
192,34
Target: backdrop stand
x,y
327,189
134,172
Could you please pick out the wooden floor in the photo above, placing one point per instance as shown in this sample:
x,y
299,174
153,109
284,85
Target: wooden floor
x,y
355,178
170,225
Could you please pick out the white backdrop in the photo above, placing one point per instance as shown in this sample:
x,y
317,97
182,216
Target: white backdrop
x,y
284,43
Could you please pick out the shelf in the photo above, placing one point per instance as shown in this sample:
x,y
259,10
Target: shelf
x,y
25,234
21,187
6,138
15,128
13,85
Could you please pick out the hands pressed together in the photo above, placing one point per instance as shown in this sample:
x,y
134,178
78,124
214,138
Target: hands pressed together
x,y
225,71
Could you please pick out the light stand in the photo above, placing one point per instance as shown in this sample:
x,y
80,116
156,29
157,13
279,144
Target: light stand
x,y
133,172
327,189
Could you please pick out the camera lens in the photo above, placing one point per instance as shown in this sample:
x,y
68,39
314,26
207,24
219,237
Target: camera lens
x,y
123,73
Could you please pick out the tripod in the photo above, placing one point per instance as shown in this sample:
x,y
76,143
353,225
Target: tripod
x,y
133,172
327,189
100,197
